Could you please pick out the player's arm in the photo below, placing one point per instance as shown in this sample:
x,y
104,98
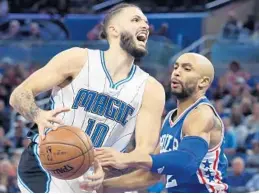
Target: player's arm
x,y
148,123
147,126
61,67
137,180
185,161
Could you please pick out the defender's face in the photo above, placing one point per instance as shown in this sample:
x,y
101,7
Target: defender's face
x,y
184,79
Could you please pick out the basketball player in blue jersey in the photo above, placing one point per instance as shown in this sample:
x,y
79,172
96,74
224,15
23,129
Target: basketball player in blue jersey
x,y
191,154
103,93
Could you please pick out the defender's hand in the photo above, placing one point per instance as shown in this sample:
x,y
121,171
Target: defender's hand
x,y
94,181
111,157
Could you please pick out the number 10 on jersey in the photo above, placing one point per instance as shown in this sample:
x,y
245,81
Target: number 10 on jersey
x,y
97,132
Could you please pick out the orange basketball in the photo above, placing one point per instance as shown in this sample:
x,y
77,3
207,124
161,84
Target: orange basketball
x,y
66,153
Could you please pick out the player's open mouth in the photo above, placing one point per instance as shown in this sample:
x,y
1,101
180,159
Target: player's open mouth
x,y
175,83
142,36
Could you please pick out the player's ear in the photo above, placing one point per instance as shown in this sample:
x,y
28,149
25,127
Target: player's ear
x,y
204,83
113,31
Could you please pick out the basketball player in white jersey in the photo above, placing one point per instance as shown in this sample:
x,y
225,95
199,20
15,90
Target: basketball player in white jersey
x,y
103,93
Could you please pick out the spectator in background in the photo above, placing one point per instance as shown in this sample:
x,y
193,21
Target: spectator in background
x,y
18,137
4,116
4,93
21,71
230,141
20,123
244,87
161,34
151,29
12,180
246,106
238,127
222,112
238,179
235,71
11,79
163,31
13,32
3,183
5,143
255,35
34,33
12,185
252,121
250,24
232,28
253,155
253,184
255,92
233,98
221,89
7,171
94,34
4,8
5,63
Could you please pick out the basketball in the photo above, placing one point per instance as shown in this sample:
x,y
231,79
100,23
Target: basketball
x,y
66,153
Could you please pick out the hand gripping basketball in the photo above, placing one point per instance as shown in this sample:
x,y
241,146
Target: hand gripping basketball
x,y
46,119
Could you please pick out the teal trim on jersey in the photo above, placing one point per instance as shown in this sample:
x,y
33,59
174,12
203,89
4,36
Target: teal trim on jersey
x,y
35,148
116,85
22,183
105,69
35,137
131,74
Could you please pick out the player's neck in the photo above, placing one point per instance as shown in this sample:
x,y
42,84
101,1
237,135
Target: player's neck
x,y
118,62
183,104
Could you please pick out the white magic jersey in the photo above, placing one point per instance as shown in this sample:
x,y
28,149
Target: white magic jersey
x,y
105,110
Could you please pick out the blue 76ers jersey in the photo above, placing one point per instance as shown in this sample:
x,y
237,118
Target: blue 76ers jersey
x,y
212,170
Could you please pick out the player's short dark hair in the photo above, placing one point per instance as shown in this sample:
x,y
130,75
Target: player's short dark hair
x,y
112,12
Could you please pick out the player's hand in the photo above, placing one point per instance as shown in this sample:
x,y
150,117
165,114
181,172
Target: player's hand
x,y
110,157
94,181
46,119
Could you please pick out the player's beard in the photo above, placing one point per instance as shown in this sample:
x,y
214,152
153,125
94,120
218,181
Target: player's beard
x,y
187,90
127,43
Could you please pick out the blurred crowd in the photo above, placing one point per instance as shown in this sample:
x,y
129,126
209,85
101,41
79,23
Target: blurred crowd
x,y
236,29
63,7
34,31
13,127
15,31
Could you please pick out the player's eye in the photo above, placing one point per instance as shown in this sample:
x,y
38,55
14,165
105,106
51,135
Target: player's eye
x,y
187,69
135,20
